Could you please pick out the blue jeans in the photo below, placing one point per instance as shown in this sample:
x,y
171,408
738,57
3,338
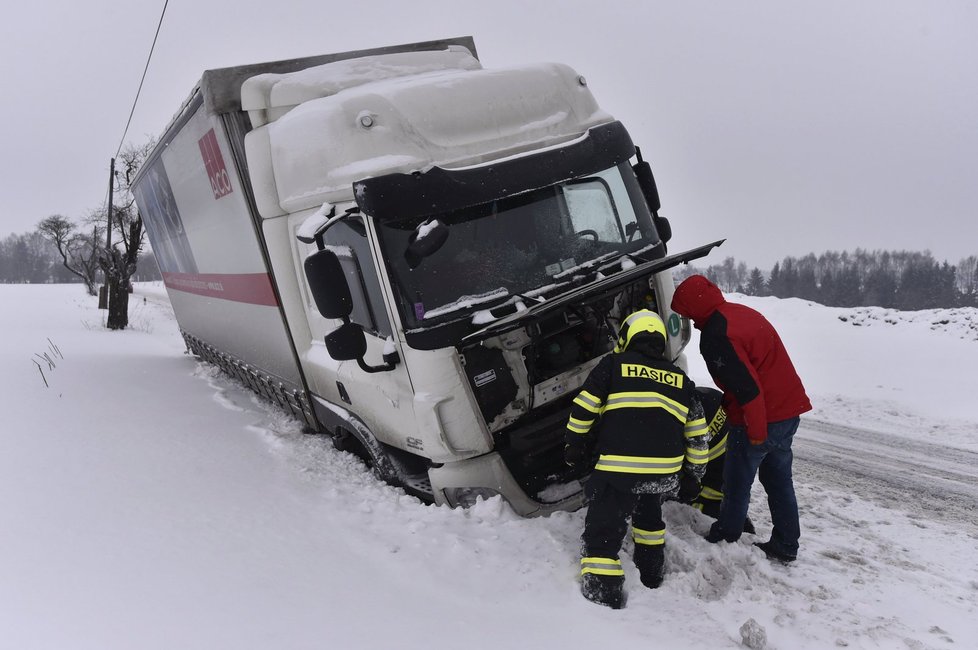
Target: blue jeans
x,y
772,459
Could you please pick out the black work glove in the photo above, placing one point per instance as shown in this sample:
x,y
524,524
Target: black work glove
x,y
573,454
689,488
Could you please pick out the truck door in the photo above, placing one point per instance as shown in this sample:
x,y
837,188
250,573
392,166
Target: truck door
x,y
383,400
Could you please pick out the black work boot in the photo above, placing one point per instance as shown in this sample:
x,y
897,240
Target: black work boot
x,y
714,535
774,553
604,590
749,526
652,581
650,561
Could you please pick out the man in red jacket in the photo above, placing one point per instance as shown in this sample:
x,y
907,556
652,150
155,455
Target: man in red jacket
x,y
763,397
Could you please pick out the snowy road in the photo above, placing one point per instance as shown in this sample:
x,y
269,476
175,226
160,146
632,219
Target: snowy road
x,y
214,522
925,480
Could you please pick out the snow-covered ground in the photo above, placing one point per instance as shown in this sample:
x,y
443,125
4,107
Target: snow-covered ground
x,y
148,502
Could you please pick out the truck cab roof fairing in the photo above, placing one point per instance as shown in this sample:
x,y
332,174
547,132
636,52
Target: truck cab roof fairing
x,y
437,190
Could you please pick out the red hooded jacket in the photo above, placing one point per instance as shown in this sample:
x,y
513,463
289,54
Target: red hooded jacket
x,y
745,357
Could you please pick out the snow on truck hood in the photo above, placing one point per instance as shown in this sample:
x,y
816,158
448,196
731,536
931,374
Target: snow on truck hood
x,y
385,123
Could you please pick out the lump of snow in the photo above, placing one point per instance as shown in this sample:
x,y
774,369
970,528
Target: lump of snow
x,y
466,302
315,223
753,635
293,88
482,317
425,229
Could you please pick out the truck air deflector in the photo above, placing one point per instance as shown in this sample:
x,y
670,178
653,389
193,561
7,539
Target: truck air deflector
x,y
439,190
591,291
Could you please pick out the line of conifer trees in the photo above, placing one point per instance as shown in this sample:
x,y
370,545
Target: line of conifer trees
x,y
905,280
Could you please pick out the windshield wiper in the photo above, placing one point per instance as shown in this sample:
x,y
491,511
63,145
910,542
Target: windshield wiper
x,y
594,289
585,266
465,305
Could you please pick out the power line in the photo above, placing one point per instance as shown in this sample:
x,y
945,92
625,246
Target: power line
x,y
138,90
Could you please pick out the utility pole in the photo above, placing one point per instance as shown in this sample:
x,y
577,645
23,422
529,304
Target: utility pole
x,y
103,294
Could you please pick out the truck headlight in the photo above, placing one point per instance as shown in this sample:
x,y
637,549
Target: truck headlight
x,y
465,497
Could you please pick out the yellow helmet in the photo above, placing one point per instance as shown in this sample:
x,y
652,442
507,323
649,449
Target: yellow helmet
x,y
644,320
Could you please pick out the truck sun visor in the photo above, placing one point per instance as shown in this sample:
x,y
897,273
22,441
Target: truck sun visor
x,y
438,190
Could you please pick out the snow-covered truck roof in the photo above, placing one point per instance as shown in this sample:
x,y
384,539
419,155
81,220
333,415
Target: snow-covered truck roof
x,y
304,130
218,92
220,88
321,129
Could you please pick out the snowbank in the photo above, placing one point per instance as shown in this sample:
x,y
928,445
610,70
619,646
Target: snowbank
x,y
150,503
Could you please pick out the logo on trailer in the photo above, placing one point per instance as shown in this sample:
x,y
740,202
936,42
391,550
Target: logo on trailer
x,y
217,172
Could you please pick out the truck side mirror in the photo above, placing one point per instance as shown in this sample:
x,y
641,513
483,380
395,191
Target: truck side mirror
x,y
646,181
327,281
425,240
663,227
346,342
330,290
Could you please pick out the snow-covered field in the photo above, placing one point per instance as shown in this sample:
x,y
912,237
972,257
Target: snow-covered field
x,y
147,502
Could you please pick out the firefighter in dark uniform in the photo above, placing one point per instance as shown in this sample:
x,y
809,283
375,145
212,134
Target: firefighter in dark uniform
x,y
710,490
640,413
707,495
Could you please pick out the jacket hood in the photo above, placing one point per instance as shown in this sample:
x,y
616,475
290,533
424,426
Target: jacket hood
x,y
697,298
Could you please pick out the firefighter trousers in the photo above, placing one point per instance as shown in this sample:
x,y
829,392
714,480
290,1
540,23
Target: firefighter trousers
x,y
606,523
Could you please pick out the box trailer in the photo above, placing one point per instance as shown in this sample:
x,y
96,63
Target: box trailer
x,y
417,256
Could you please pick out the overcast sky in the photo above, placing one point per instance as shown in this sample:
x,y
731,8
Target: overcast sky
x,y
785,127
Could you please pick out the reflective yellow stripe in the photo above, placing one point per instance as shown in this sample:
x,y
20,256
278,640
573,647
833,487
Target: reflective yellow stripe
x,y
639,464
718,449
602,566
696,427
588,401
697,456
579,426
646,399
719,418
649,537
710,494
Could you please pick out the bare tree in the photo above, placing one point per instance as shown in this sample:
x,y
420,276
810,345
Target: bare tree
x,y
967,280
118,262
79,253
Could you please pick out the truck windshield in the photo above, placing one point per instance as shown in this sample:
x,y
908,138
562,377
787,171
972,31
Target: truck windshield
x,y
521,248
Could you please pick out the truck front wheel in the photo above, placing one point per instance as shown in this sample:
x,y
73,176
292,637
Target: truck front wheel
x,y
365,447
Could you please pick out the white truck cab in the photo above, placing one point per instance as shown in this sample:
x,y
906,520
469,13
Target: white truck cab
x,y
417,256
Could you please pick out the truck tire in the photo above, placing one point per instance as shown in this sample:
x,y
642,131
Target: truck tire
x,y
361,443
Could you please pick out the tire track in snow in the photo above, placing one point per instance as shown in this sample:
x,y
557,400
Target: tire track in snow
x,y
926,480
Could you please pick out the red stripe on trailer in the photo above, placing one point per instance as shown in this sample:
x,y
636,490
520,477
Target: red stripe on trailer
x,y
252,288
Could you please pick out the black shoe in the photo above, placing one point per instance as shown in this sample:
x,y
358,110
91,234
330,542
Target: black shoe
x,y
652,583
603,591
773,553
714,535
749,527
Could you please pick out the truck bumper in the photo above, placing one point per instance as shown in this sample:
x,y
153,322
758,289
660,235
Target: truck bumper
x,y
456,484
